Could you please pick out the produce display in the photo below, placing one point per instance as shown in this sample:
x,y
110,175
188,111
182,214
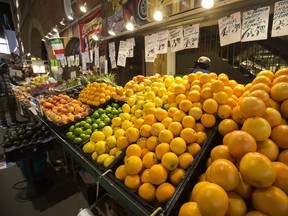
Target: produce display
x,y
82,130
25,134
62,109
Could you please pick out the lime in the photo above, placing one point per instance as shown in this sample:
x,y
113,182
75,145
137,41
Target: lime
x,y
107,120
88,132
71,128
103,116
98,121
94,126
110,115
95,115
86,137
86,126
77,140
115,112
119,109
101,124
82,135
77,124
69,134
88,120
101,111
82,123
108,110
77,131
115,105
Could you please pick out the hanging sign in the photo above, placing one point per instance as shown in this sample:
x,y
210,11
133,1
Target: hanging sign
x,y
191,36
97,59
255,24
150,54
176,39
280,19
162,42
58,48
122,54
230,29
112,54
130,43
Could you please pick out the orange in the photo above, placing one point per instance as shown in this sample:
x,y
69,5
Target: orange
x,y
279,91
274,104
261,94
195,190
133,165
192,77
273,116
279,135
238,90
189,135
208,120
142,142
266,73
201,137
161,114
260,86
185,105
171,111
170,161
179,115
147,192
171,97
157,128
133,150
217,86
145,130
255,213
283,157
220,97
284,108
237,115
161,149
199,127
165,136
227,126
268,148
121,172
188,121
149,119
176,176
122,142
232,83
164,192
282,71
258,127
157,174
228,90
138,123
261,79
185,160
189,209
152,142
270,200
205,93
179,89
221,151
237,205
195,86
224,173
204,78
149,159
210,106
243,189
198,104
193,148
195,112
281,176
252,106
175,128
239,143
282,78
133,182
144,152
180,98
212,200
194,96
132,134
257,170
224,111
145,176
166,122
178,145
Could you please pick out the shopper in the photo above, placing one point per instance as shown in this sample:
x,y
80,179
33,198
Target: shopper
x,y
7,98
202,64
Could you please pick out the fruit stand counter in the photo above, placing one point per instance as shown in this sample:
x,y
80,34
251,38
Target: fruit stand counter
x,y
114,190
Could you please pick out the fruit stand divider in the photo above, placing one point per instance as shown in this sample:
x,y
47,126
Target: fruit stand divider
x,y
113,189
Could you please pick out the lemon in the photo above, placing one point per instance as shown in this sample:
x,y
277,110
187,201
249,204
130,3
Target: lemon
x,y
108,160
125,108
158,102
133,109
118,153
119,132
113,151
124,116
140,103
101,158
126,124
133,118
150,95
108,131
100,147
88,147
131,101
138,113
111,141
149,105
116,121
97,136
162,91
94,156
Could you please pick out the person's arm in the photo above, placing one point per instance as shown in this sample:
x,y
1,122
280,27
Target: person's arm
x,y
14,81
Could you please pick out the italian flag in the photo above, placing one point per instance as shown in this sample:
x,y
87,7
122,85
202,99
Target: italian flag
x,y
58,48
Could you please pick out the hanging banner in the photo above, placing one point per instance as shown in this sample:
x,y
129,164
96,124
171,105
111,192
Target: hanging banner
x,y
122,54
176,39
135,9
255,24
87,29
280,19
116,21
162,42
58,48
230,29
191,36
150,54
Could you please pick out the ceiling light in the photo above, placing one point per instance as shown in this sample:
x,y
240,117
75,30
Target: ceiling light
x,y
96,36
207,4
28,54
70,17
62,22
130,25
111,32
50,34
43,39
55,29
47,36
83,8
158,15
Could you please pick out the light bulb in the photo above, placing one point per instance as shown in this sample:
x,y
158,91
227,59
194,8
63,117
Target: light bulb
x,y
55,29
207,4
158,16
83,8
70,17
130,26
95,37
111,32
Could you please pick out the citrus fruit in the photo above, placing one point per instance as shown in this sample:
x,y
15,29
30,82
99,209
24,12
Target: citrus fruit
x,y
268,148
208,120
189,135
149,159
170,161
156,128
279,91
147,192
161,149
281,176
258,127
100,147
152,142
279,135
133,182
176,176
227,126
210,106
132,134
252,106
243,189
122,142
178,145
88,147
165,136
175,128
133,165
189,209
97,136
133,150
195,190
195,112
108,160
185,160
237,205
188,121
283,157
221,151
157,174
193,148
164,192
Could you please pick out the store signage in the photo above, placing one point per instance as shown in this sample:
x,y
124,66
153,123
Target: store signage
x,y
280,19
112,55
150,42
162,42
58,48
255,24
176,39
122,54
191,36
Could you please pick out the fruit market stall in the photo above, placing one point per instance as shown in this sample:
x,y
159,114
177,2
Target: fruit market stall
x,y
201,143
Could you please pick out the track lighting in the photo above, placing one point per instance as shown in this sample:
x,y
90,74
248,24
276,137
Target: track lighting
x,y
207,4
83,8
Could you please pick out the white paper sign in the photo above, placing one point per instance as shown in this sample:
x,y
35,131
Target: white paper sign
x,y
85,60
113,62
112,53
191,36
176,39
162,42
130,43
97,59
230,29
68,61
73,74
72,60
122,54
280,19
150,48
255,24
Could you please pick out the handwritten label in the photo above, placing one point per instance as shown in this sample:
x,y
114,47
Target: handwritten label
x,y
150,54
162,42
191,36
230,29
122,54
280,19
176,39
112,53
255,24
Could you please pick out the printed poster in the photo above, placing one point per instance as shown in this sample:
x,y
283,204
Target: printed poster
x,y
97,60
176,39
191,36
162,42
255,24
150,54
122,54
280,19
230,29
116,21
112,49
130,43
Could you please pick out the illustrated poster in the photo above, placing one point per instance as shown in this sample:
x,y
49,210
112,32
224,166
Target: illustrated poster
x,y
122,54
176,39
130,43
280,19
191,36
150,54
162,42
